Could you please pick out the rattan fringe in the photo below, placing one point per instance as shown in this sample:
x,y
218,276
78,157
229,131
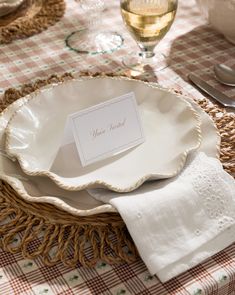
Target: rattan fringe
x,y
58,236
39,15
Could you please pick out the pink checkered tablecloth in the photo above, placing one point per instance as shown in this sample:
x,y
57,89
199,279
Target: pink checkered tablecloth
x,y
191,46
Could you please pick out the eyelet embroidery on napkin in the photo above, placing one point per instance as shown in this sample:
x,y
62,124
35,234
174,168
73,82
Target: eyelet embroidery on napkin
x,y
139,215
213,189
225,222
197,232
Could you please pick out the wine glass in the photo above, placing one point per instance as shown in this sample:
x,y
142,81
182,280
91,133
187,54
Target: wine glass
x,y
148,21
93,38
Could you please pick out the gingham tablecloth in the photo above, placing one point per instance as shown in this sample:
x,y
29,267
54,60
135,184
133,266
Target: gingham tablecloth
x,y
192,46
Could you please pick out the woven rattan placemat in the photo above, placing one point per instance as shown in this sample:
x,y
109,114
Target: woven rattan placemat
x,y
32,17
43,227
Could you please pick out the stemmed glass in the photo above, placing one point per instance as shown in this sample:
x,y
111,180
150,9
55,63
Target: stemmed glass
x,y
148,21
93,38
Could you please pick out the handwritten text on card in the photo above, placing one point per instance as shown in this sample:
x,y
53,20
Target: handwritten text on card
x,y
106,129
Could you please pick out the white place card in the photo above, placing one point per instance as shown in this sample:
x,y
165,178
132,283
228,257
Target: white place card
x,y
105,130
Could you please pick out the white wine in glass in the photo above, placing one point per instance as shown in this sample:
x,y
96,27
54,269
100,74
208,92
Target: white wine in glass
x,y
148,21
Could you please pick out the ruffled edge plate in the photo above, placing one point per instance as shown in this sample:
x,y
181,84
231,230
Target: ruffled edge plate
x,y
18,180
14,142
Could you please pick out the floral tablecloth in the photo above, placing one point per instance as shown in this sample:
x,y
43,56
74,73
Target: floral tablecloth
x,y
191,46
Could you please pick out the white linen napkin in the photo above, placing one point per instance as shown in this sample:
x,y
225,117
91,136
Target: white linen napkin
x,y
178,223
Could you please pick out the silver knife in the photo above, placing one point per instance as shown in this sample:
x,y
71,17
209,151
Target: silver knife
x,y
217,95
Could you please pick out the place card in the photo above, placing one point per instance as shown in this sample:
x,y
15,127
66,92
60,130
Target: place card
x,y
105,130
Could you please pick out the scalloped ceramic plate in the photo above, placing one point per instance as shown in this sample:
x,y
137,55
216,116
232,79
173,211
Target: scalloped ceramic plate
x,y
171,127
43,190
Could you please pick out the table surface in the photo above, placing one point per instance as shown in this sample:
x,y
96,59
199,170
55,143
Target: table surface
x,y
191,46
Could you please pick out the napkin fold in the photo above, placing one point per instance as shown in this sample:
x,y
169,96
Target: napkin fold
x,y
178,223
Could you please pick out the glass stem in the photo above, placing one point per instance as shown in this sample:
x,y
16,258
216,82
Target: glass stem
x,y
95,21
146,52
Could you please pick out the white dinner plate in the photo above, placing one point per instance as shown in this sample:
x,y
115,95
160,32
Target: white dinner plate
x,y
34,134
43,190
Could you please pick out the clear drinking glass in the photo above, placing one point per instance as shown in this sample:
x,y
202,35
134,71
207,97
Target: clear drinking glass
x,y
148,21
93,38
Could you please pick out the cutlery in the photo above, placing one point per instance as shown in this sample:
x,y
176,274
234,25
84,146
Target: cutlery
x,y
217,95
224,74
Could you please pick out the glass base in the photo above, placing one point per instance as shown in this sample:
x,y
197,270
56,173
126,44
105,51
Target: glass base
x,y
88,42
136,62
